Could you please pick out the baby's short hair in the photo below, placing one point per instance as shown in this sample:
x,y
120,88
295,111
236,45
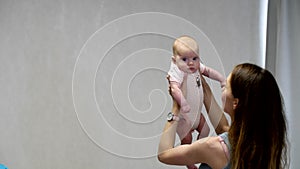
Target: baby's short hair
x,y
185,43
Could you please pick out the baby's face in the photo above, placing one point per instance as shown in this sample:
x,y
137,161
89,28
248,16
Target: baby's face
x,y
189,62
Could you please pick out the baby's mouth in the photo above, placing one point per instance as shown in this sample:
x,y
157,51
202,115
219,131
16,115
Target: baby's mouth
x,y
192,69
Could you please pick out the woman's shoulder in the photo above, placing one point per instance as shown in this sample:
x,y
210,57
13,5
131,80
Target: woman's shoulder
x,y
214,151
212,142
209,147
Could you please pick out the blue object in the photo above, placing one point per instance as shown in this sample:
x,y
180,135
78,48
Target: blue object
x,y
3,166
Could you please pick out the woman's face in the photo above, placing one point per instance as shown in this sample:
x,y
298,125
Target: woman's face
x,y
228,100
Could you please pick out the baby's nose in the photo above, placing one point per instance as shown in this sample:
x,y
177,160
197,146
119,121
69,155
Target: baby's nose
x,y
191,62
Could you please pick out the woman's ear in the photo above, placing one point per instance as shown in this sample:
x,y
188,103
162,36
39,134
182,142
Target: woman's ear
x,y
235,103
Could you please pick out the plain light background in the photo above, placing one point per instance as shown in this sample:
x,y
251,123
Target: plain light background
x,y
83,82
283,60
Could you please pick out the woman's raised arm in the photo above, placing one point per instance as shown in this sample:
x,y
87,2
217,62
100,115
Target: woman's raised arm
x,y
215,112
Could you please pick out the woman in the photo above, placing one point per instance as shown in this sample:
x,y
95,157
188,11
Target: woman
x,y
258,133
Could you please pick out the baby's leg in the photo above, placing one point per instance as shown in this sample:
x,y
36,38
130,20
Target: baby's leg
x,y
184,131
187,139
192,167
203,128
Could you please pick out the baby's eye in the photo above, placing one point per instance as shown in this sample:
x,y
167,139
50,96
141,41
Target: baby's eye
x,y
195,58
184,59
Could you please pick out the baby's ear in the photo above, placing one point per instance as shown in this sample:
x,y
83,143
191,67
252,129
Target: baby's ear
x,y
173,59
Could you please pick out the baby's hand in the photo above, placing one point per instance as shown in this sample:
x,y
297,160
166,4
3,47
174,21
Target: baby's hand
x,y
185,108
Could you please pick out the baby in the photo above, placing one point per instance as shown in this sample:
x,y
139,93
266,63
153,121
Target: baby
x,y
186,89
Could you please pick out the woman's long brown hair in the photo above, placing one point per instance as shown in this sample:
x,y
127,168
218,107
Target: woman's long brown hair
x,y
258,133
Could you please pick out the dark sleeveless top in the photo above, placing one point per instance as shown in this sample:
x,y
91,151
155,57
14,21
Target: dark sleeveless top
x,y
224,138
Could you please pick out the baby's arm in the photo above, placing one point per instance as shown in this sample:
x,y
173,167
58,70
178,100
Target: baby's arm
x,y
179,98
213,74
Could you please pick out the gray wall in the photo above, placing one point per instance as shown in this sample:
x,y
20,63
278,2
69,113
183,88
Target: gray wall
x,y
283,60
83,88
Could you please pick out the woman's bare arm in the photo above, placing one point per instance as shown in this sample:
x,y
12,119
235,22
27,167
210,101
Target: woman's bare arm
x,y
215,112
